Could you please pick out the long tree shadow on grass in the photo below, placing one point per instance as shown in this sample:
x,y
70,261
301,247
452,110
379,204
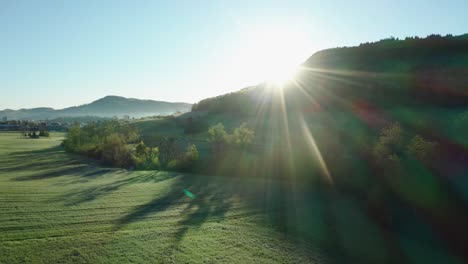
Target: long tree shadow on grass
x,y
51,163
333,220
54,160
204,199
83,195
343,224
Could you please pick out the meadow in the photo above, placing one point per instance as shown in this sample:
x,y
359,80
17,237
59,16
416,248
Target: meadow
x,y
62,208
58,207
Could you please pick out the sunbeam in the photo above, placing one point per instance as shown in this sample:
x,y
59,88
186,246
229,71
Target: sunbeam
x,y
311,142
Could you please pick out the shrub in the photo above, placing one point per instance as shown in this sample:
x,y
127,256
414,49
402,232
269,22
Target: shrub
x,y
187,161
115,151
173,165
33,134
241,137
103,140
44,133
72,140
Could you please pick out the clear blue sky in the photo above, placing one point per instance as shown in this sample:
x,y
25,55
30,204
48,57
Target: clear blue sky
x,y
63,53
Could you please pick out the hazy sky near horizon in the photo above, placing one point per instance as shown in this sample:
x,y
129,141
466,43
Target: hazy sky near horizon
x,y
65,53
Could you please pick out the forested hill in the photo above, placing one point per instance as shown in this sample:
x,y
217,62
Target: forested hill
x,y
394,55
423,72
108,106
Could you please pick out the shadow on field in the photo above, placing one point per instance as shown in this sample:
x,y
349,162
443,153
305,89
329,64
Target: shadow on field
x,y
89,194
203,197
50,163
38,160
417,215
346,227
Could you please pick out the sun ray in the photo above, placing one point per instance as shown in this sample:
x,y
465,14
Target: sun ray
x,y
311,141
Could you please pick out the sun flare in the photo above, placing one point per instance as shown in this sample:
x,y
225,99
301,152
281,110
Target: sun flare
x,y
280,76
271,55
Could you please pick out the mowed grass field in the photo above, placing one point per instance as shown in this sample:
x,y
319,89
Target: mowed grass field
x,y
60,208
56,207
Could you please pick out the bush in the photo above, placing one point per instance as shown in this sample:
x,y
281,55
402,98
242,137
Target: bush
x,y
241,137
33,134
73,139
115,151
174,165
187,161
44,133
106,141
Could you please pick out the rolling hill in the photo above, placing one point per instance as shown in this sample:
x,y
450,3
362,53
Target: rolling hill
x,y
108,106
415,72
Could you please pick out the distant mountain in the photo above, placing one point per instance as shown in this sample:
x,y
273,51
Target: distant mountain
x,y
108,106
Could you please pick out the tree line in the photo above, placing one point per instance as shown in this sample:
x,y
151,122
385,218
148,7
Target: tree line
x,y
120,145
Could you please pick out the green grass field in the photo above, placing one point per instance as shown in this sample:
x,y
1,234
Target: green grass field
x,y
60,208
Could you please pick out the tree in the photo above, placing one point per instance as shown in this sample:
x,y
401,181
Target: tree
x,y
191,154
168,149
242,136
115,152
141,149
44,133
145,157
421,149
389,147
218,137
130,133
72,141
187,161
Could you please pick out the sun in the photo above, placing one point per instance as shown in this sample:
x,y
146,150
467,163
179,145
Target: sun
x,y
270,55
279,76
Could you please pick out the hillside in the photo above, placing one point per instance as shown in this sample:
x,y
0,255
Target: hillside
x,y
383,122
425,72
108,106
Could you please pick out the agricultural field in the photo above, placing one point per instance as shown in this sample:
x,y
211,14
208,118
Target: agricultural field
x,y
61,208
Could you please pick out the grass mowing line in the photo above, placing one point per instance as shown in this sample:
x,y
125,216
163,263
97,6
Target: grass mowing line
x,y
169,227
233,208
158,218
154,218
